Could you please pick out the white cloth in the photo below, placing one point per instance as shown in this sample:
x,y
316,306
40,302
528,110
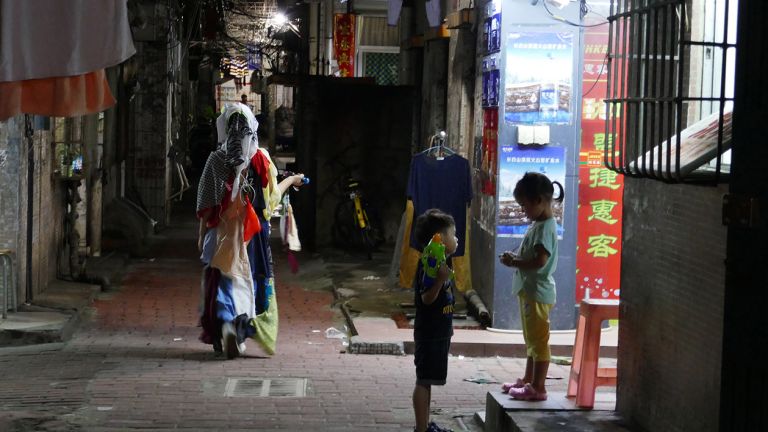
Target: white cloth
x,y
59,38
289,232
434,15
250,143
393,11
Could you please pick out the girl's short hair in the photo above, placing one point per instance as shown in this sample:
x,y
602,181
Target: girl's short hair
x,y
535,185
429,223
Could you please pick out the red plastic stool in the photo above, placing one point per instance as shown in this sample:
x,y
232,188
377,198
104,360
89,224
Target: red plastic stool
x,y
585,373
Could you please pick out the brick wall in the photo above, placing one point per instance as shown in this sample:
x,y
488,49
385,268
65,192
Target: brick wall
x,y
672,284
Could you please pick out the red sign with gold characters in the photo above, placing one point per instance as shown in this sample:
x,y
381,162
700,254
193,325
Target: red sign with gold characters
x,y
598,256
344,43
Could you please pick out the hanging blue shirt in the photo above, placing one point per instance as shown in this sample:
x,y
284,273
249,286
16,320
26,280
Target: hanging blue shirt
x,y
445,184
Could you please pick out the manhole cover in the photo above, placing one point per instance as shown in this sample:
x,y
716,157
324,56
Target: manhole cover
x,y
266,387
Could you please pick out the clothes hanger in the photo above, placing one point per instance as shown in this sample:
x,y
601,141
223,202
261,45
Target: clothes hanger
x,y
440,147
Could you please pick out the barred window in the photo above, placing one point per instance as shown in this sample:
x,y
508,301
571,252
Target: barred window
x,y
68,146
670,89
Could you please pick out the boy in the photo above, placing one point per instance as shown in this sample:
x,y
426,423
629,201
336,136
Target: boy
x,y
433,327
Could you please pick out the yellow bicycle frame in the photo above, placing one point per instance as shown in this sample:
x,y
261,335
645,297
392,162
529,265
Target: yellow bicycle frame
x,y
362,218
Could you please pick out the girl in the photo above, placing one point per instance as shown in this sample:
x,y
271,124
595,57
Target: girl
x,y
534,283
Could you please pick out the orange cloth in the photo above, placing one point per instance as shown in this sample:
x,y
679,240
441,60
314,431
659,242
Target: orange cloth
x,y
251,224
56,97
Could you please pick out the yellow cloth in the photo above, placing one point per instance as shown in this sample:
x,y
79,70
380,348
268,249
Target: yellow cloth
x,y
409,259
265,323
272,196
535,318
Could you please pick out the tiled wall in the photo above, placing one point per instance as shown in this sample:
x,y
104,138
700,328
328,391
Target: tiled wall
x,y
672,286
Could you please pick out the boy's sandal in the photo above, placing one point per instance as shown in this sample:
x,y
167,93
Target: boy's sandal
x,y
515,385
527,393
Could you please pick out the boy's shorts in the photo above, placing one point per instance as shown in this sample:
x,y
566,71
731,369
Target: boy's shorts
x,y
535,318
431,360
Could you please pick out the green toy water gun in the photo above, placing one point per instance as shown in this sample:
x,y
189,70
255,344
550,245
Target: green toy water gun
x,y
432,257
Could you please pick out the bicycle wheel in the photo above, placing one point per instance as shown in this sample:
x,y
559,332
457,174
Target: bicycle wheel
x,y
344,225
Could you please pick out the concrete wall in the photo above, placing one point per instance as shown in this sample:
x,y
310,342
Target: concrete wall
x,y
11,132
672,286
47,204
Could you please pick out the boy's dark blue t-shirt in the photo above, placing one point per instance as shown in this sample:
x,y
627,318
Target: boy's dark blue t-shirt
x,y
433,321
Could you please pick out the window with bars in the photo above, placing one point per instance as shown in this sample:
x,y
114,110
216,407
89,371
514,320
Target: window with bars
x,y
68,145
671,66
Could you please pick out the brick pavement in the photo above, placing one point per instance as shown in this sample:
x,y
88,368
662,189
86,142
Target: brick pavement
x,y
137,365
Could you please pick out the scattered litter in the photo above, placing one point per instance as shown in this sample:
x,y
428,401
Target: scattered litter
x,y
345,343
333,333
104,408
151,260
178,339
560,360
481,380
549,377
315,343
371,277
345,292
315,331
461,357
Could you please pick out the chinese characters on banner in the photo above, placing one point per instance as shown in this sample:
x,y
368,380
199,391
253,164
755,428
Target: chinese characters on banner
x,y
344,43
598,256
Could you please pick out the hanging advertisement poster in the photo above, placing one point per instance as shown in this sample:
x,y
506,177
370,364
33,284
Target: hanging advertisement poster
x,y
344,43
514,162
538,78
598,253
253,58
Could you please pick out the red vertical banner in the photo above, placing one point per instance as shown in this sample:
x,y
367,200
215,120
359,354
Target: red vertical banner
x,y
598,256
490,149
344,43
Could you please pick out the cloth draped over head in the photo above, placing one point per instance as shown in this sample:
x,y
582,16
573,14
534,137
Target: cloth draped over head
x,y
236,130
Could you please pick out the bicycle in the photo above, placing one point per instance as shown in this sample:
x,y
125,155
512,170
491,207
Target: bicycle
x,y
356,225
354,208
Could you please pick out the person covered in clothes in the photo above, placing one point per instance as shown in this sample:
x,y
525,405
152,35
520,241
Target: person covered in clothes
x,y
237,194
534,284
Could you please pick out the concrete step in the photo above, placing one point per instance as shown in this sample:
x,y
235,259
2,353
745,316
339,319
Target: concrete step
x,y
67,295
557,413
30,328
52,317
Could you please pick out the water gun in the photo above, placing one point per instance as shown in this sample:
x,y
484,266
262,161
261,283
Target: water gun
x,y
432,257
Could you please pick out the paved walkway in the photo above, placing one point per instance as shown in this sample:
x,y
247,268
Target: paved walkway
x,y
137,365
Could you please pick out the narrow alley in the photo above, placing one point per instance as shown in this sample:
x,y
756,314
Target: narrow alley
x,y
136,364
490,215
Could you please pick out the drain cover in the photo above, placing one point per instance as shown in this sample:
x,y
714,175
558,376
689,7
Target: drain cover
x,y
266,387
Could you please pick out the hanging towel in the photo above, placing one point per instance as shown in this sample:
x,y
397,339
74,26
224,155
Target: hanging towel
x,y
393,11
434,15
61,38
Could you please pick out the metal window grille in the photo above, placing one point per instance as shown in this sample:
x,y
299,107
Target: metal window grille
x,y
670,89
